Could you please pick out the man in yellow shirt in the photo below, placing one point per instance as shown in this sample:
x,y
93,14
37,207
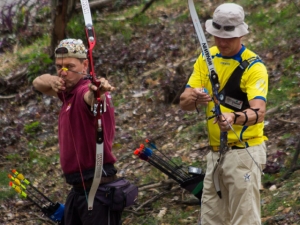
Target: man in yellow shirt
x,y
242,95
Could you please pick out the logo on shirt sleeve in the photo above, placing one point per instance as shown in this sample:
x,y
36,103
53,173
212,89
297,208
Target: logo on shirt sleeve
x,y
261,85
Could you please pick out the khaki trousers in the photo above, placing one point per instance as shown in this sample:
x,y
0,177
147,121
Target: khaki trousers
x,y
240,180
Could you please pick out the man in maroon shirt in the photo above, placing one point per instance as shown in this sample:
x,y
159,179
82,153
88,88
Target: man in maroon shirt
x,y
76,132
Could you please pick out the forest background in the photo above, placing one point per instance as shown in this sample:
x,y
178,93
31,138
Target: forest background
x,y
147,50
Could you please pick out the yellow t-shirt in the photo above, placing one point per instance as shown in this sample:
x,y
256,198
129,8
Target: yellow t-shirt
x,y
254,82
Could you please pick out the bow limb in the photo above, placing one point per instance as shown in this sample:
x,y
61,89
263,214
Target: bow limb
x,y
91,39
97,106
212,72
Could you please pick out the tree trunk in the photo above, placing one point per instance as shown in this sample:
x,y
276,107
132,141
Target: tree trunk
x,y
62,12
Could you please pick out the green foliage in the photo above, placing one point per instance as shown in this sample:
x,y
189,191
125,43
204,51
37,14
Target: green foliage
x,y
13,157
118,100
152,176
194,133
176,160
147,220
291,65
142,21
37,62
274,27
35,158
50,141
199,127
256,3
5,190
271,207
183,17
271,28
268,178
117,4
171,4
32,128
284,91
20,20
174,216
189,115
75,28
122,30
287,135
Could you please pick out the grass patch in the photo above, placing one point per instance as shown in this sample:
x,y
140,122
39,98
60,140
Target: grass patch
x,y
13,157
271,207
275,26
5,189
286,136
291,65
285,91
33,56
153,175
268,178
32,128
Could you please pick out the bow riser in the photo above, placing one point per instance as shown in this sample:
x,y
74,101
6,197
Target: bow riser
x,y
98,107
91,38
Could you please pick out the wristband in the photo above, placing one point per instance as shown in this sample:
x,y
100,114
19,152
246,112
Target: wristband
x,y
235,117
255,110
246,118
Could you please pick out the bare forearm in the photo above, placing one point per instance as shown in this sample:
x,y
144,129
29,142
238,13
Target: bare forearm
x,y
187,103
192,97
43,84
250,116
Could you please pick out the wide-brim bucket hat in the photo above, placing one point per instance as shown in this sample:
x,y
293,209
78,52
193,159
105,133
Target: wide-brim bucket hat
x,y
227,21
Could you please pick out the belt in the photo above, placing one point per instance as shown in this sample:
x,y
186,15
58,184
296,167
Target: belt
x,y
237,147
217,148
88,183
232,145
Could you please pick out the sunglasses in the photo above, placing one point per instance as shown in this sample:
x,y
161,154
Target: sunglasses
x,y
226,28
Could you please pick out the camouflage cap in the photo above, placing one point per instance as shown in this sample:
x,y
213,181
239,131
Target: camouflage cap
x,y
71,48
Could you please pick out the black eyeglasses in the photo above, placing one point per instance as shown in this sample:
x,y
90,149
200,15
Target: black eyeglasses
x,y
226,28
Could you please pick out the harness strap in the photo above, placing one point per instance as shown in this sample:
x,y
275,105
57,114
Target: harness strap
x,y
231,96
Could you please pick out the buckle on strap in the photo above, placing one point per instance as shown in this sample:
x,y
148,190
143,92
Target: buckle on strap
x,y
217,148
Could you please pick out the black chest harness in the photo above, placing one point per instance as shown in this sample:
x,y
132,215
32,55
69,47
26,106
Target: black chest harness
x,y
231,96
